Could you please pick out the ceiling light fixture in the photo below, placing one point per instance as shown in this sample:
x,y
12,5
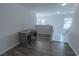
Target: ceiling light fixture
x,y
58,12
64,4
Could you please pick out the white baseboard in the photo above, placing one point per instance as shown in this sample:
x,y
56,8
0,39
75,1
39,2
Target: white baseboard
x,y
60,41
73,49
8,48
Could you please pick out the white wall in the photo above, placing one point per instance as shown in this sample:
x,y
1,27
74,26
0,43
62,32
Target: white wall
x,y
57,21
13,18
73,36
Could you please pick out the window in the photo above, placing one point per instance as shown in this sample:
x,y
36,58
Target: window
x,y
67,23
41,21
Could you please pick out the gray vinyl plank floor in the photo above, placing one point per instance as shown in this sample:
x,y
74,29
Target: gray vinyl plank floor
x,y
42,47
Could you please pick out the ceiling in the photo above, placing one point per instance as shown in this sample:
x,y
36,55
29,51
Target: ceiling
x,y
49,7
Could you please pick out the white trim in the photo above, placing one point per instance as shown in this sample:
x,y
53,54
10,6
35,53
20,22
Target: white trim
x,y
9,48
73,49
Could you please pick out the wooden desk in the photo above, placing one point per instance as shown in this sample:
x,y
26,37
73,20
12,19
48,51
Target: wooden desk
x,y
27,37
